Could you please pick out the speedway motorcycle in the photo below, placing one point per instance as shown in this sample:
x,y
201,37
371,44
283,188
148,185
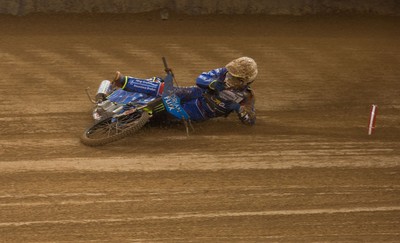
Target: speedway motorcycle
x,y
119,113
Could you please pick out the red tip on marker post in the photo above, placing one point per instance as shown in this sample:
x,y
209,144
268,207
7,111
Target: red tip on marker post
x,y
372,119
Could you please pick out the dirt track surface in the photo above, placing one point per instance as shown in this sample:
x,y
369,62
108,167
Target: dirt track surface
x,y
307,171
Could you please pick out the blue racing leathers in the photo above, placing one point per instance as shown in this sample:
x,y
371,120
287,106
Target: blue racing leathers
x,y
204,101
208,99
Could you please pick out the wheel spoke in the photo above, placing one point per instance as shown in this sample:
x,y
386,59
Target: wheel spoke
x,y
113,129
109,128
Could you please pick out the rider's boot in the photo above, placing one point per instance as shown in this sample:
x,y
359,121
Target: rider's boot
x,y
119,79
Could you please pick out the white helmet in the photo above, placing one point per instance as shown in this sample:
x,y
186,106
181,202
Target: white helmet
x,y
244,68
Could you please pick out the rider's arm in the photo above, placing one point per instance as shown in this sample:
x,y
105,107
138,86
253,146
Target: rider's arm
x,y
206,78
247,112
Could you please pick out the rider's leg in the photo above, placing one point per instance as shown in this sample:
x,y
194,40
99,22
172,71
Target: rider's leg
x,y
152,86
188,93
194,110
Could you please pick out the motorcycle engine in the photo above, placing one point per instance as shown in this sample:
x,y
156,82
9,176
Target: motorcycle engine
x,y
105,109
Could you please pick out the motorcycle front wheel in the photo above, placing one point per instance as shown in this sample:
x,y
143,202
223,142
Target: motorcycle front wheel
x,y
114,129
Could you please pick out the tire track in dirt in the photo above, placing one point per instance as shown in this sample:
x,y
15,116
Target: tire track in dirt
x,y
30,69
282,153
209,215
132,202
59,61
143,55
101,57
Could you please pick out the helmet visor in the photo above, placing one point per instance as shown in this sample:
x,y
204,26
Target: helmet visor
x,y
233,81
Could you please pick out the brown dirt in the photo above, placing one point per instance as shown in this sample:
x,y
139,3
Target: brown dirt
x,y
307,171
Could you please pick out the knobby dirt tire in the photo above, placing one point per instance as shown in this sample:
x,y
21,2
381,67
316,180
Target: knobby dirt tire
x,y
131,127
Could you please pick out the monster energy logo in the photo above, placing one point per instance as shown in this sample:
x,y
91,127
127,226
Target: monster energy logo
x,y
158,108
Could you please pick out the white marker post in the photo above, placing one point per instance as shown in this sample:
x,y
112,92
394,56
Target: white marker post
x,y
372,119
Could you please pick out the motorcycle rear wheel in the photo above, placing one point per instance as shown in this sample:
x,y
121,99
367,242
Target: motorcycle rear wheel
x,y
114,129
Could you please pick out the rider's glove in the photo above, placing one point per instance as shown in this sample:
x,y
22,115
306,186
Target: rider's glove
x,y
217,85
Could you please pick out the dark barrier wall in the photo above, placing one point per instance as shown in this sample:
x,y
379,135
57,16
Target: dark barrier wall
x,y
273,7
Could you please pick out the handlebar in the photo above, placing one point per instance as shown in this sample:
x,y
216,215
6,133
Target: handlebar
x,y
166,68
169,70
